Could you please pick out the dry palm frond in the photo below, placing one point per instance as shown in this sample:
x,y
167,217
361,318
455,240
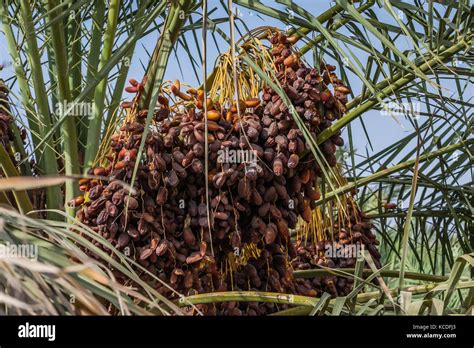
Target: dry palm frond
x,y
56,277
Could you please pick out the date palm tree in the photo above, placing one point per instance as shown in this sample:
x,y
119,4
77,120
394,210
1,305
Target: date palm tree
x,y
409,65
